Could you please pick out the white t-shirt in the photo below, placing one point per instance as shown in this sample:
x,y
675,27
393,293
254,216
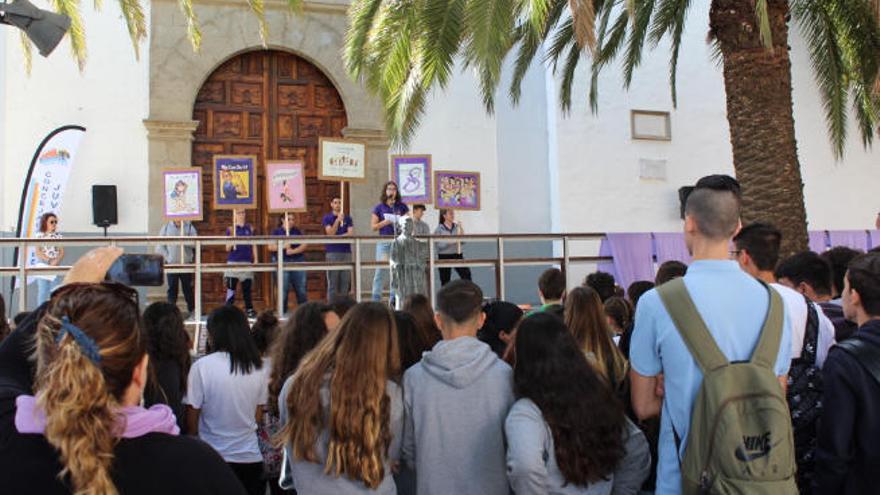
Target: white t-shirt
x,y
228,404
796,308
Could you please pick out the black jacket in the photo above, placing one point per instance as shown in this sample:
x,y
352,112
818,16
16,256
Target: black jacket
x,y
151,464
848,452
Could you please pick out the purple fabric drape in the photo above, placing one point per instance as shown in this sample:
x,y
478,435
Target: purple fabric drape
x,y
818,241
606,266
856,239
873,239
633,257
670,246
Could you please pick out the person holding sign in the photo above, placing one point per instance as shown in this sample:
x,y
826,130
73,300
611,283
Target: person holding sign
x,y
292,253
240,254
338,223
450,250
384,219
172,256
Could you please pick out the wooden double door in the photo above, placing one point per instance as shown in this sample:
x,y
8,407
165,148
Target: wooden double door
x,y
274,105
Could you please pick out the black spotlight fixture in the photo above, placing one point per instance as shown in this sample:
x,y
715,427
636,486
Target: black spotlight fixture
x,y
44,28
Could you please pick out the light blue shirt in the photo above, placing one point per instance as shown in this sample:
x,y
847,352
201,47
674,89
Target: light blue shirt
x,y
734,306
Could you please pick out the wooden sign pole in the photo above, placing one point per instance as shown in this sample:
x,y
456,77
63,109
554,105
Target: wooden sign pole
x,y
342,195
182,234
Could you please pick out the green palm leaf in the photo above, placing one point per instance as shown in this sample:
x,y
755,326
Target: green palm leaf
x,y
136,23
77,34
193,31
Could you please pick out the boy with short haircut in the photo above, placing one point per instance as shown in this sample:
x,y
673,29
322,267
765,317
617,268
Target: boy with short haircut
x,y
420,228
455,402
848,450
732,308
551,290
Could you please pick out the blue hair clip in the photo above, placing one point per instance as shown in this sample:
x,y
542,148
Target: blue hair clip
x,y
86,344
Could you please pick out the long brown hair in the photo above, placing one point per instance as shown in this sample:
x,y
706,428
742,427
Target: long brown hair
x,y
586,320
79,396
360,356
300,334
383,198
419,307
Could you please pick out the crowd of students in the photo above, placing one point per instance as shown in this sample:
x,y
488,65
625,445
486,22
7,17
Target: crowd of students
x,y
596,391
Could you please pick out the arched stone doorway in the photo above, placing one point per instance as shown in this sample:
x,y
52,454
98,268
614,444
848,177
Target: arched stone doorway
x,y
275,105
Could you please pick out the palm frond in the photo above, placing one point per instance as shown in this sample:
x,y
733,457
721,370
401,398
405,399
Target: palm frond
x,y
362,17
530,42
828,66
258,7
490,26
136,22
193,31
536,13
568,73
762,16
442,25
76,32
27,49
583,16
670,19
641,19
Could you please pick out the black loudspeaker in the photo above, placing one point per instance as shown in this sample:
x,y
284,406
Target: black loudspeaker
x,y
104,206
683,193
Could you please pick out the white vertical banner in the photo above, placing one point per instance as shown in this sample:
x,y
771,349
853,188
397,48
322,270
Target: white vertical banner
x,y
46,183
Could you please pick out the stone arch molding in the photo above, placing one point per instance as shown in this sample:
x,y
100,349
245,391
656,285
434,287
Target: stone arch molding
x,y
230,28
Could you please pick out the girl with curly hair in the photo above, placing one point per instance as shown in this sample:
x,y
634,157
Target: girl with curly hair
x,y
343,414
168,347
83,431
567,433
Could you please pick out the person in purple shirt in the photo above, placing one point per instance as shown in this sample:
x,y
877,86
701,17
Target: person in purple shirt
x,y
292,253
240,254
384,220
338,223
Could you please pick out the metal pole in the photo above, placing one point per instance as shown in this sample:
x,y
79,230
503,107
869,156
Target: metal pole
x,y
22,277
357,270
431,272
279,276
565,255
499,276
198,295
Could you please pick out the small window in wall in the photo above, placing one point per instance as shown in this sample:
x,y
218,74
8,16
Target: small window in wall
x,y
651,125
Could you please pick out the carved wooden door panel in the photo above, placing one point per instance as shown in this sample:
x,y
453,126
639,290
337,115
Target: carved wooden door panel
x,y
274,105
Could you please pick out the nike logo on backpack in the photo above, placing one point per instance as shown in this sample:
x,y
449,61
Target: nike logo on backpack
x,y
754,447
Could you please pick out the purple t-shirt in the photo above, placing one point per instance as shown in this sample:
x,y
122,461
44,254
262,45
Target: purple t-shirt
x,y
241,252
289,257
329,220
382,208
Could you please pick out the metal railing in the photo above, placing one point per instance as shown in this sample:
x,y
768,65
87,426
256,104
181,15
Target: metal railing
x,y
565,257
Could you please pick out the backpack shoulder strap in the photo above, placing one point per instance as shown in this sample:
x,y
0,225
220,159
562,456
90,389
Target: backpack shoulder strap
x,y
866,353
771,334
691,326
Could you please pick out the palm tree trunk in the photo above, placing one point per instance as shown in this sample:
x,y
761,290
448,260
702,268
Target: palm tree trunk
x,y
759,112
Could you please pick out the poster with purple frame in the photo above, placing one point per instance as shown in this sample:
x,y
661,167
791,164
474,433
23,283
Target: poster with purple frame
x,y
412,173
457,190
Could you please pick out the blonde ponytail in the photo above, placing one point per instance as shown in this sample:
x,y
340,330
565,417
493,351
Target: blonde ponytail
x,y
72,392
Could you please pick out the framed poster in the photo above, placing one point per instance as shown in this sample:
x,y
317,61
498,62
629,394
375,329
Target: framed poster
x,y
235,182
182,193
340,159
285,186
412,173
457,190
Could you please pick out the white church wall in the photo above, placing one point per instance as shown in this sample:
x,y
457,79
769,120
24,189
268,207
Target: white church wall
x,y
598,163
460,136
600,188
109,98
838,194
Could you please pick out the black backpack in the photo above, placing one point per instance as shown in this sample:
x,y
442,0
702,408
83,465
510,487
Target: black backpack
x,y
804,397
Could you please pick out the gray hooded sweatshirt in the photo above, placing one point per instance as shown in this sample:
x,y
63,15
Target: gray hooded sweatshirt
x,y
455,402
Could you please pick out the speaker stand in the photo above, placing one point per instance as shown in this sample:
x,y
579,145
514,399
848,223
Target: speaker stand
x,y
104,225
